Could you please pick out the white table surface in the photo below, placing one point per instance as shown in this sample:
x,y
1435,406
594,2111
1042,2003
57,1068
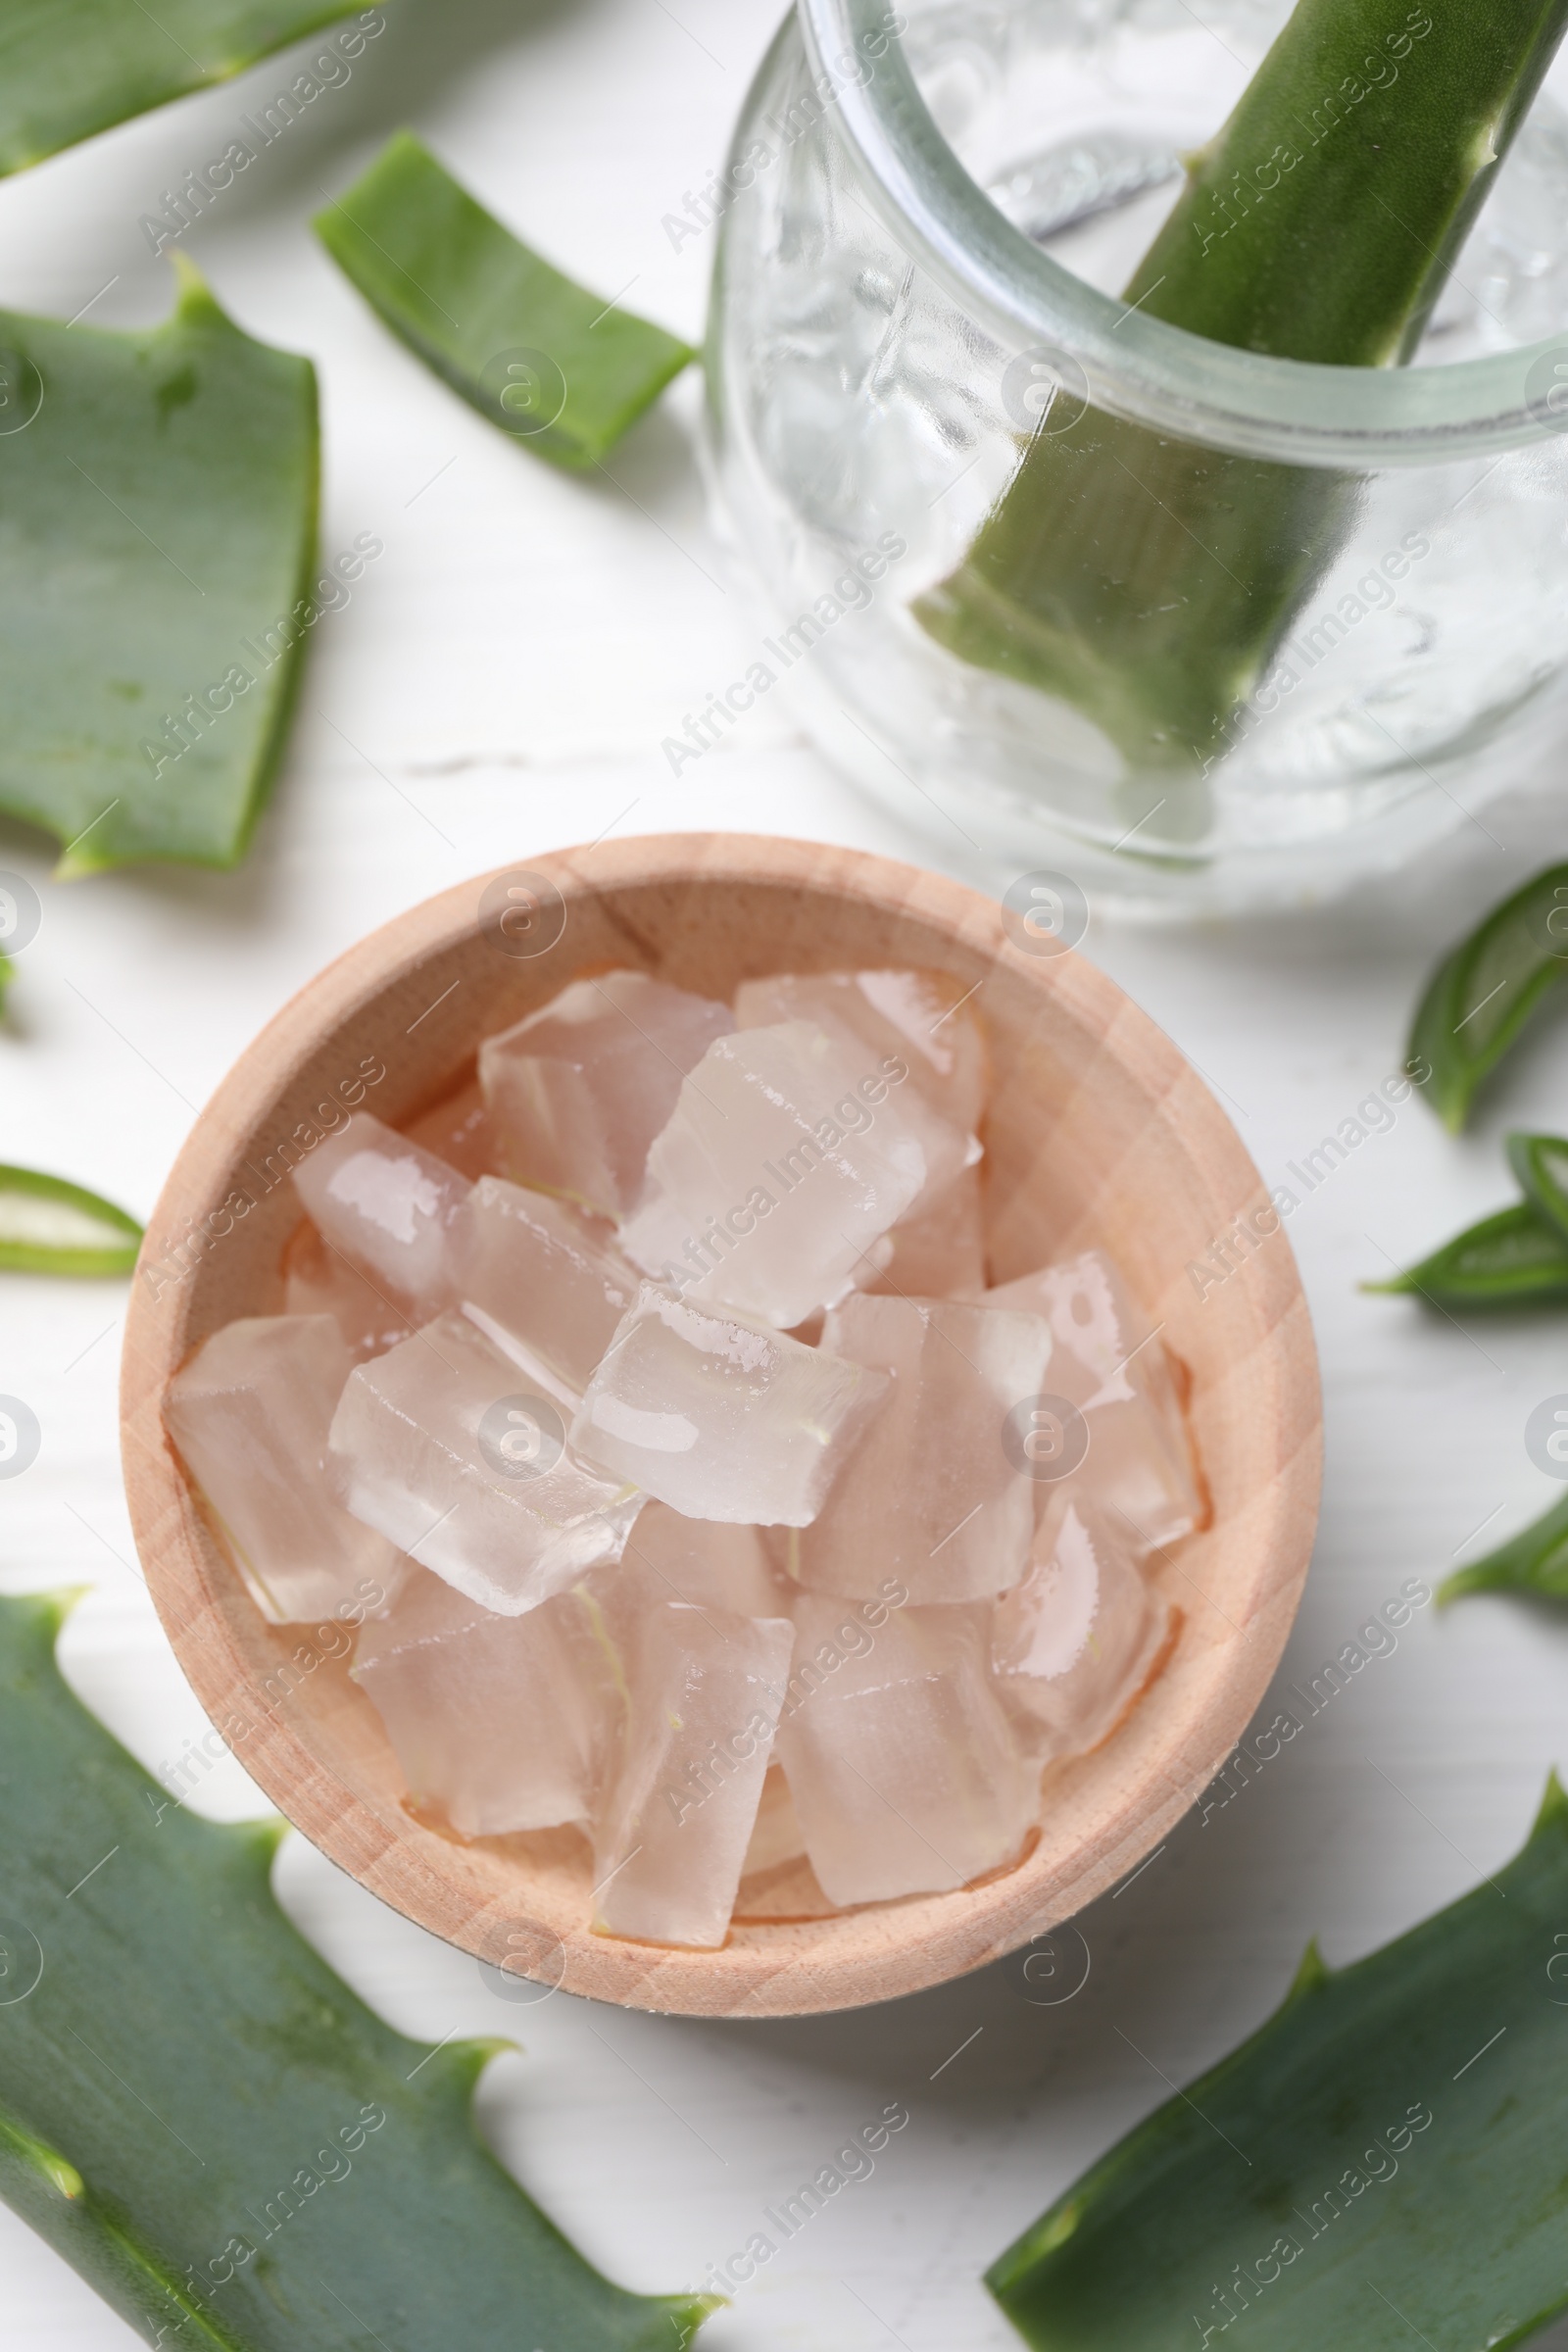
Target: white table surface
x,y
500,684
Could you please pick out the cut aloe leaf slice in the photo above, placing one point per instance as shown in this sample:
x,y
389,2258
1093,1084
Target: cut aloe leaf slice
x,y
562,371
1541,1163
48,1226
204,2120
1515,1259
1486,989
70,68
159,500
1534,1562
1379,2165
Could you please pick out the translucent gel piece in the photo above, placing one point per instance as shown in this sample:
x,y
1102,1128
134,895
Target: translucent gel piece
x,y
705,1563
1073,1645
939,1252
931,1495
319,1280
458,1131
499,1722
387,1206
925,1016
546,1275
577,1092
789,1154
250,1414
721,1417
446,1448
776,1832
1109,1364
904,1770
705,1695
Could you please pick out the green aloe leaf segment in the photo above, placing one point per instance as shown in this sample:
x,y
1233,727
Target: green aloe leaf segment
x,y
1541,1163
158,508
48,1226
1149,581
1515,1259
202,2119
1534,1562
1486,989
1380,2164
561,369
70,68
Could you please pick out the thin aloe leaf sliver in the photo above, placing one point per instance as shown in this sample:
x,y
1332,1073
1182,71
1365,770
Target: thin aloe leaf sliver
x,y
158,507
1486,989
1515,1259
1378,2166
562,371
1534,1562
48,1226
204,2120
1541,1163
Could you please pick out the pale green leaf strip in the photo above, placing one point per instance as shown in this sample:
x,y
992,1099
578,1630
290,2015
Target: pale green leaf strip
x,y
562,371
70,67
1380,2164
49,1226
157,537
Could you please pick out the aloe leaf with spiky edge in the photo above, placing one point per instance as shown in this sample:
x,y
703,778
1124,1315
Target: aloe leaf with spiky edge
x,y
158,511
203,2120
1378,2163
1149,581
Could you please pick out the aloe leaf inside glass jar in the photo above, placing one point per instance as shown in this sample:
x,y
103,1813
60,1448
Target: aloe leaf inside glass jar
x,y
1144,580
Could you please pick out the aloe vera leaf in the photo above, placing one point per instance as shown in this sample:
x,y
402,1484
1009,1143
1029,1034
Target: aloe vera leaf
x,y
48,1226
1541,1163
562,371
1535,1561
1381,2162
187,2078
1515,1259
1147,581
157,531
1143,580
1485,990
70,68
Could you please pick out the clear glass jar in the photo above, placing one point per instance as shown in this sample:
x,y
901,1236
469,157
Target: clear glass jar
x,y
925,214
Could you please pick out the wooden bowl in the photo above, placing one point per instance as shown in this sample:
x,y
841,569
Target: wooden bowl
x,y
1099,1132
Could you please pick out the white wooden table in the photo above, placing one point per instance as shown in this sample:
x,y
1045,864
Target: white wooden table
x,y
500,684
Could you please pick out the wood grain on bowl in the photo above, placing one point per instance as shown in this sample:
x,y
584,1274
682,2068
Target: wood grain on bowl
x,y
1099,1131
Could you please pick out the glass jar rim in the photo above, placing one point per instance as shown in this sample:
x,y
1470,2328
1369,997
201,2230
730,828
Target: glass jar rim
x,y
1122,360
